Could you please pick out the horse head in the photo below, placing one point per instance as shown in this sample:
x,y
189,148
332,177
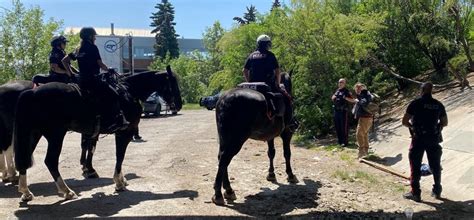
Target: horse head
x,y
164,83
174,94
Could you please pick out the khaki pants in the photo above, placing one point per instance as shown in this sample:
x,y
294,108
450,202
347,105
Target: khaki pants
x,y
362,135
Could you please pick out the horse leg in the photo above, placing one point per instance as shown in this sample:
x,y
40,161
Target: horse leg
x,y
3,168
222,177
271,155
286,137
10,166
88,146
122,139
229,193
55,144
26,194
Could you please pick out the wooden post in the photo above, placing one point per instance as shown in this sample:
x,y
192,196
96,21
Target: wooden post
x,y
385,169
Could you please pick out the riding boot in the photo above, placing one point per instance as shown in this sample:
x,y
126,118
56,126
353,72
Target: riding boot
x,y
119,123
290,119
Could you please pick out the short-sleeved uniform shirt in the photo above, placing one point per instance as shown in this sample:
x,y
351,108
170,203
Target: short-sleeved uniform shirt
x,y
55,57
261,65
87,56
426,112
340,103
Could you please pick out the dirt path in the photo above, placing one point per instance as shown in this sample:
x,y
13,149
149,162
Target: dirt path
x,y
172,174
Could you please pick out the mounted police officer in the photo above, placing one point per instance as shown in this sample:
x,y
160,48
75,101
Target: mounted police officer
x,y
262,66
58,72
90,64
425,117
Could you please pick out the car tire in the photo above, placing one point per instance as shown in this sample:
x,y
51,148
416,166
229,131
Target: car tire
x,y
158,110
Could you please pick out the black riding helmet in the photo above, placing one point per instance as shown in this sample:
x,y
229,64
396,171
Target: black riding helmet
x,y
57,40
87,33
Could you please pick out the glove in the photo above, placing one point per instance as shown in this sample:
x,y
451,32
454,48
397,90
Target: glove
x,y
111,70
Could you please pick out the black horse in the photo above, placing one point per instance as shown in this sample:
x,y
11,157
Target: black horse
x,y
54,108
9,94
242,114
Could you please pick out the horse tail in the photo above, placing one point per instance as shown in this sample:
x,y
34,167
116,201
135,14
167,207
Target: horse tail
x,y
22,131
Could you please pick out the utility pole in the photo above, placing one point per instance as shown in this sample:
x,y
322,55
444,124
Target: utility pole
x,y
130,54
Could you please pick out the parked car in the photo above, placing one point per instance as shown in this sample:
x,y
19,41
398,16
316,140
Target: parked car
x,y
154,105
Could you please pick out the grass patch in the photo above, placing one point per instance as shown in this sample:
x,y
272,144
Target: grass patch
x,y
346,157
361,175
399,188
343,175
191,106
357,176
333,148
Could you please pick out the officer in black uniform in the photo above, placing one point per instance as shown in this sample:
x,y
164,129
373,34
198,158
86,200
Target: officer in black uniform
x,y
262,66
58,72
341,99
425,117
90,64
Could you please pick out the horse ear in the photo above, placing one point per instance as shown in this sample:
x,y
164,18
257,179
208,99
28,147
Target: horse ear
x,y
168,70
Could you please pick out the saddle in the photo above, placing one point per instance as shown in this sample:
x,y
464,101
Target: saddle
x,y
44,78
275,100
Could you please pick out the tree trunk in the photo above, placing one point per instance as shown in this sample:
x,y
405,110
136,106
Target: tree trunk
x,y
467,50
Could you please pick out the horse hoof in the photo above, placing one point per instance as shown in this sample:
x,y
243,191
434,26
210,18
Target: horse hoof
x,y
218,201
271,177
26,197
120,188
293,179
70,195
230,196
90,175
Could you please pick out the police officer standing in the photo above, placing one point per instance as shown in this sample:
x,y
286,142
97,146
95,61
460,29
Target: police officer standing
x,y
341,99
425,117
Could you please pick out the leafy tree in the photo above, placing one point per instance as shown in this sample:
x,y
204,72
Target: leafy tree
x,y
163,26
192,71
24,42
431,31
211,37
249,16
461,12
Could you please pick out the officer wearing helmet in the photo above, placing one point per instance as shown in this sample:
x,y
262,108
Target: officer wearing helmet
x,y
90,64
58,72
262,66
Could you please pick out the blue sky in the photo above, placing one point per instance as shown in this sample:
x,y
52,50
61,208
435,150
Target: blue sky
x,y
191,16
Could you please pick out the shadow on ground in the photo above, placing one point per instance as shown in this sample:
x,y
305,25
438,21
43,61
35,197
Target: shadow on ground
x,y
49,188
100,204
280,201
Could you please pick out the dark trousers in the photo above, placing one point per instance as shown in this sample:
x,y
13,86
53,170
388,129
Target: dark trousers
x,y
341,120
108,99
415,155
